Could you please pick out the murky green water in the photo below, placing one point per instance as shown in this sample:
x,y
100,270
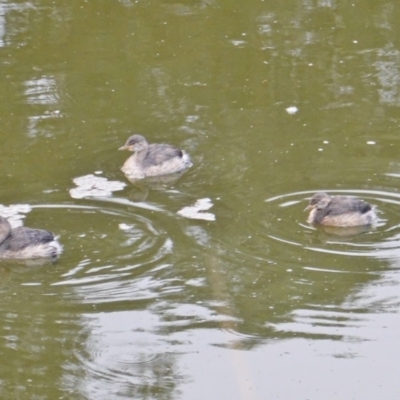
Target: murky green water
x,y
145,303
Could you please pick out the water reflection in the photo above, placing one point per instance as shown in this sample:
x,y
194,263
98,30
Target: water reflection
x,y
144,298
388,75
2,24
42,90
120,350
12,21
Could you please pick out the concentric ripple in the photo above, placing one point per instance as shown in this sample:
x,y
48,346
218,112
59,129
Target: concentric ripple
x,y
118,349
112,252
286,222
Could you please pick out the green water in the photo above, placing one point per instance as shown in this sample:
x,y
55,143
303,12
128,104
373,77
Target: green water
x,y
145,303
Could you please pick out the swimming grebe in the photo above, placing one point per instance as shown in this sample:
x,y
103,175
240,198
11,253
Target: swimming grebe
x,y
153,159
340,211
26,243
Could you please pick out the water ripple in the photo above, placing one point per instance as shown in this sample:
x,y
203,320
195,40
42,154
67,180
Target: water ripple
x,y
133,360
113,254
286,224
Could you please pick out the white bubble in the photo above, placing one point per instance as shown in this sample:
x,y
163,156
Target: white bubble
x,y
292,110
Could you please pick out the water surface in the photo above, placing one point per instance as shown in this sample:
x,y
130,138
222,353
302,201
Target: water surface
x,y
274,101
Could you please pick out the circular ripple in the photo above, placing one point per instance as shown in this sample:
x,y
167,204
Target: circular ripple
x,y
120,348
112,253
286,223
